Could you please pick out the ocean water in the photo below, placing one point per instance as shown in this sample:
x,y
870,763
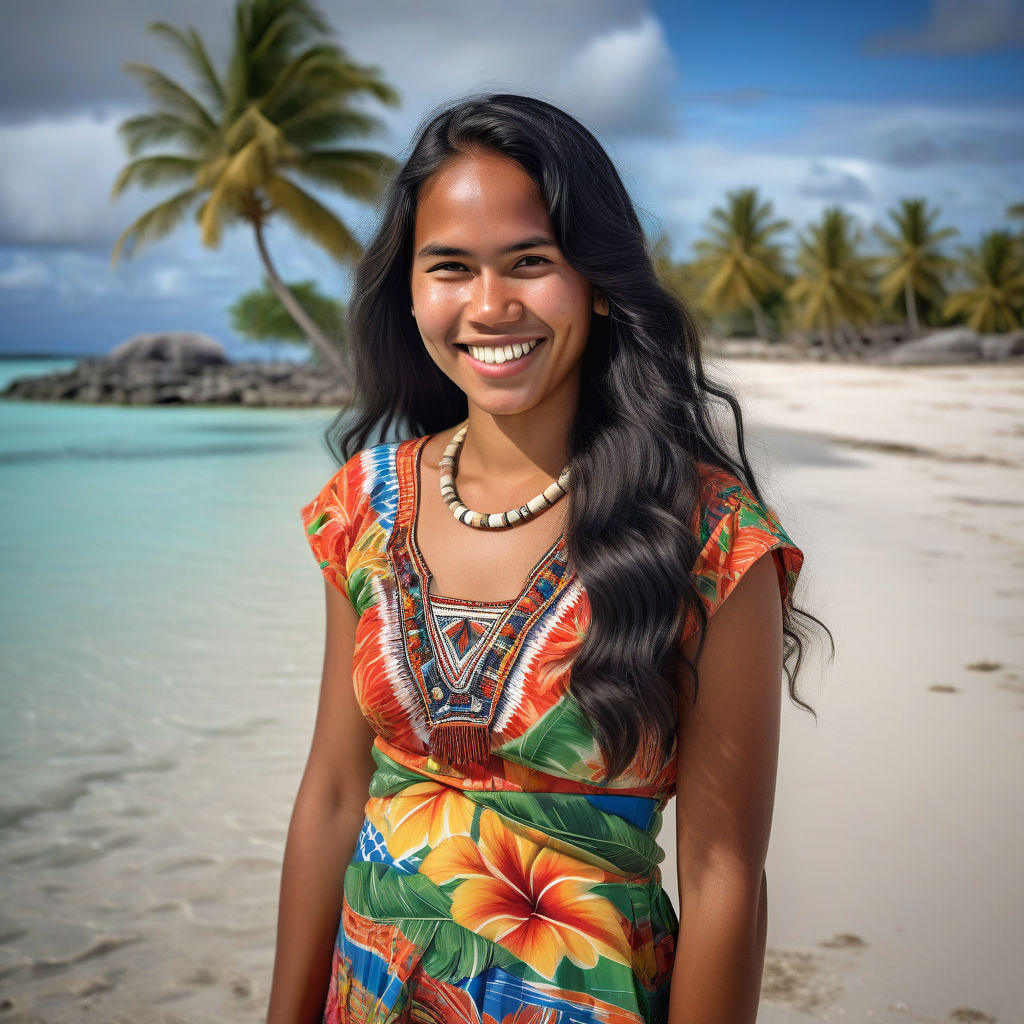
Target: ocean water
x,y
161,630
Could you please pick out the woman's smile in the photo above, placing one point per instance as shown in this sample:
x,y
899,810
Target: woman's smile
x,y
502,359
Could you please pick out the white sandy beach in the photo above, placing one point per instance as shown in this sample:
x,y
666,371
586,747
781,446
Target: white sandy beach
x,y
148,793
894,886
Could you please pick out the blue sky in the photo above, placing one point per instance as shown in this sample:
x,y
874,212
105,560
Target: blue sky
x,y
813,104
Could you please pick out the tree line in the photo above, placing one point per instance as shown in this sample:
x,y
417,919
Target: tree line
x,y
742,274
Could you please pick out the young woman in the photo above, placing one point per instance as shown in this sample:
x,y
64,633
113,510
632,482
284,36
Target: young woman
x,y
519,596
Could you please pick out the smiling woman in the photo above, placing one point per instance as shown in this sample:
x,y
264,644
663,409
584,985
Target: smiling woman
x,y
509,696
487,306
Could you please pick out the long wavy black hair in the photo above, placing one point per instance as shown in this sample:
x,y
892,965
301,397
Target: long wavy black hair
x,y
643,422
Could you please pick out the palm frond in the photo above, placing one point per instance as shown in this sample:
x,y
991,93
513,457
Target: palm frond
x,y
325,119
145,130
158,169
155,223
311,218
167,92
190,44
359,173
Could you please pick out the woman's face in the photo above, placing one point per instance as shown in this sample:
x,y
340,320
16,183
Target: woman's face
x,y
487,274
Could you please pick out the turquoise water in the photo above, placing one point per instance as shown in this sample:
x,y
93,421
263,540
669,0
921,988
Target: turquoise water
x,y
162,635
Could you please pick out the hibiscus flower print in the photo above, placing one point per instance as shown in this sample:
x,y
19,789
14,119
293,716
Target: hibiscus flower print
x,y
529,898
421,815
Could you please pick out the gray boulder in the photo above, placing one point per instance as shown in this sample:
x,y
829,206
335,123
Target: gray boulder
x,y
183,350
951,345
1003,346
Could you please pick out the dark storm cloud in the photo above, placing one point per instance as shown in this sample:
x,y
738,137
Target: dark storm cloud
x,y
957,26
61,56
64,56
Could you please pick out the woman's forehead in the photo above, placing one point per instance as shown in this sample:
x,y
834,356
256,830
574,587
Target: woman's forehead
x,y
480,193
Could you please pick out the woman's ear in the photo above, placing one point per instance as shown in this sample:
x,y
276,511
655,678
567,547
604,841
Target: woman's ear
x,y
600,302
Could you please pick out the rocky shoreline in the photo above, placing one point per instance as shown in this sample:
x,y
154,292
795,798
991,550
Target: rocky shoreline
x,y
154,382
185,369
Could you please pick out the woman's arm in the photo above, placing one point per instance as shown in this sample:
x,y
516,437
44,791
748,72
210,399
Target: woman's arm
x,y
727,759
324,829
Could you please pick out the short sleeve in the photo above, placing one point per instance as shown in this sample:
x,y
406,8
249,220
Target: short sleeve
x,y
328,522
740,530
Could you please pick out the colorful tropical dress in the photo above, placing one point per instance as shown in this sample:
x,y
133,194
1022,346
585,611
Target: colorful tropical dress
x,y
507,888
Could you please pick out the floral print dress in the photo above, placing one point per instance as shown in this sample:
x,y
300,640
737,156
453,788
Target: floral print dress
x,y
502,886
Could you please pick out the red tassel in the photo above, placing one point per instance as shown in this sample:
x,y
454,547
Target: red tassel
x,y
461,743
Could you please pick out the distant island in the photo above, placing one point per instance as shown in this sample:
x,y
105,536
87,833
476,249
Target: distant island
x,y
182,368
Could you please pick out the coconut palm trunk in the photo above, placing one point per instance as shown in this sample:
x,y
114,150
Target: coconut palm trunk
x,y
760,320
911,308
328,352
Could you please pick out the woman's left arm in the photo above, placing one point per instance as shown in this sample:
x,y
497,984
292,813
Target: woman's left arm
x,y
728,745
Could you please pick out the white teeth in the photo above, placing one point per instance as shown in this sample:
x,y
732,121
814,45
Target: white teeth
x,y
504,354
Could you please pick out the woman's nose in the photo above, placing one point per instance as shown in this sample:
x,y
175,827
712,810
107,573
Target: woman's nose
x,y
495,300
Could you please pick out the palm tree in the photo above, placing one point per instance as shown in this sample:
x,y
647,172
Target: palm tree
x,y
739,264
835,287
248,130
994,299
913,264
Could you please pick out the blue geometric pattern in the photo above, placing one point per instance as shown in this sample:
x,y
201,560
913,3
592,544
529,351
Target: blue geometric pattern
x,y
372,847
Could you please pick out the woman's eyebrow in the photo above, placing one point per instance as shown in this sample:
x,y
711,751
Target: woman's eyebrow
x,y
436,249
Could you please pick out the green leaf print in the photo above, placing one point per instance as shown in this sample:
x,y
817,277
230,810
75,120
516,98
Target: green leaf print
x,y
559,742
383,893
594,836
457,953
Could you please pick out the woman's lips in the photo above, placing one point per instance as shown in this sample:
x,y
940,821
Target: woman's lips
x,y
505,369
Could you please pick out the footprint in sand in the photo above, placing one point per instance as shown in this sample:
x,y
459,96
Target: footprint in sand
x,y
943,688
984,666
797,979
845,940
965,1015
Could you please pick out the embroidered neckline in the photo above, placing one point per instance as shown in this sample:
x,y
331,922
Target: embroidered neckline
x,y
460,708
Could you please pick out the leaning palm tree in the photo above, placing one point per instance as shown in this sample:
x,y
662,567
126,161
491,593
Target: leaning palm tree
x,y
994,297
912,262
739,264
834,290
274,113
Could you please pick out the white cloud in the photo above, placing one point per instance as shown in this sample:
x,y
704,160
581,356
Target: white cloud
x,y
25,275
168,282
439,53
55,181
839,150
621,79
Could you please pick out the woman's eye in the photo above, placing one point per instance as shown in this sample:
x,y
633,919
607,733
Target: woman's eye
x,y
448,266
541,258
